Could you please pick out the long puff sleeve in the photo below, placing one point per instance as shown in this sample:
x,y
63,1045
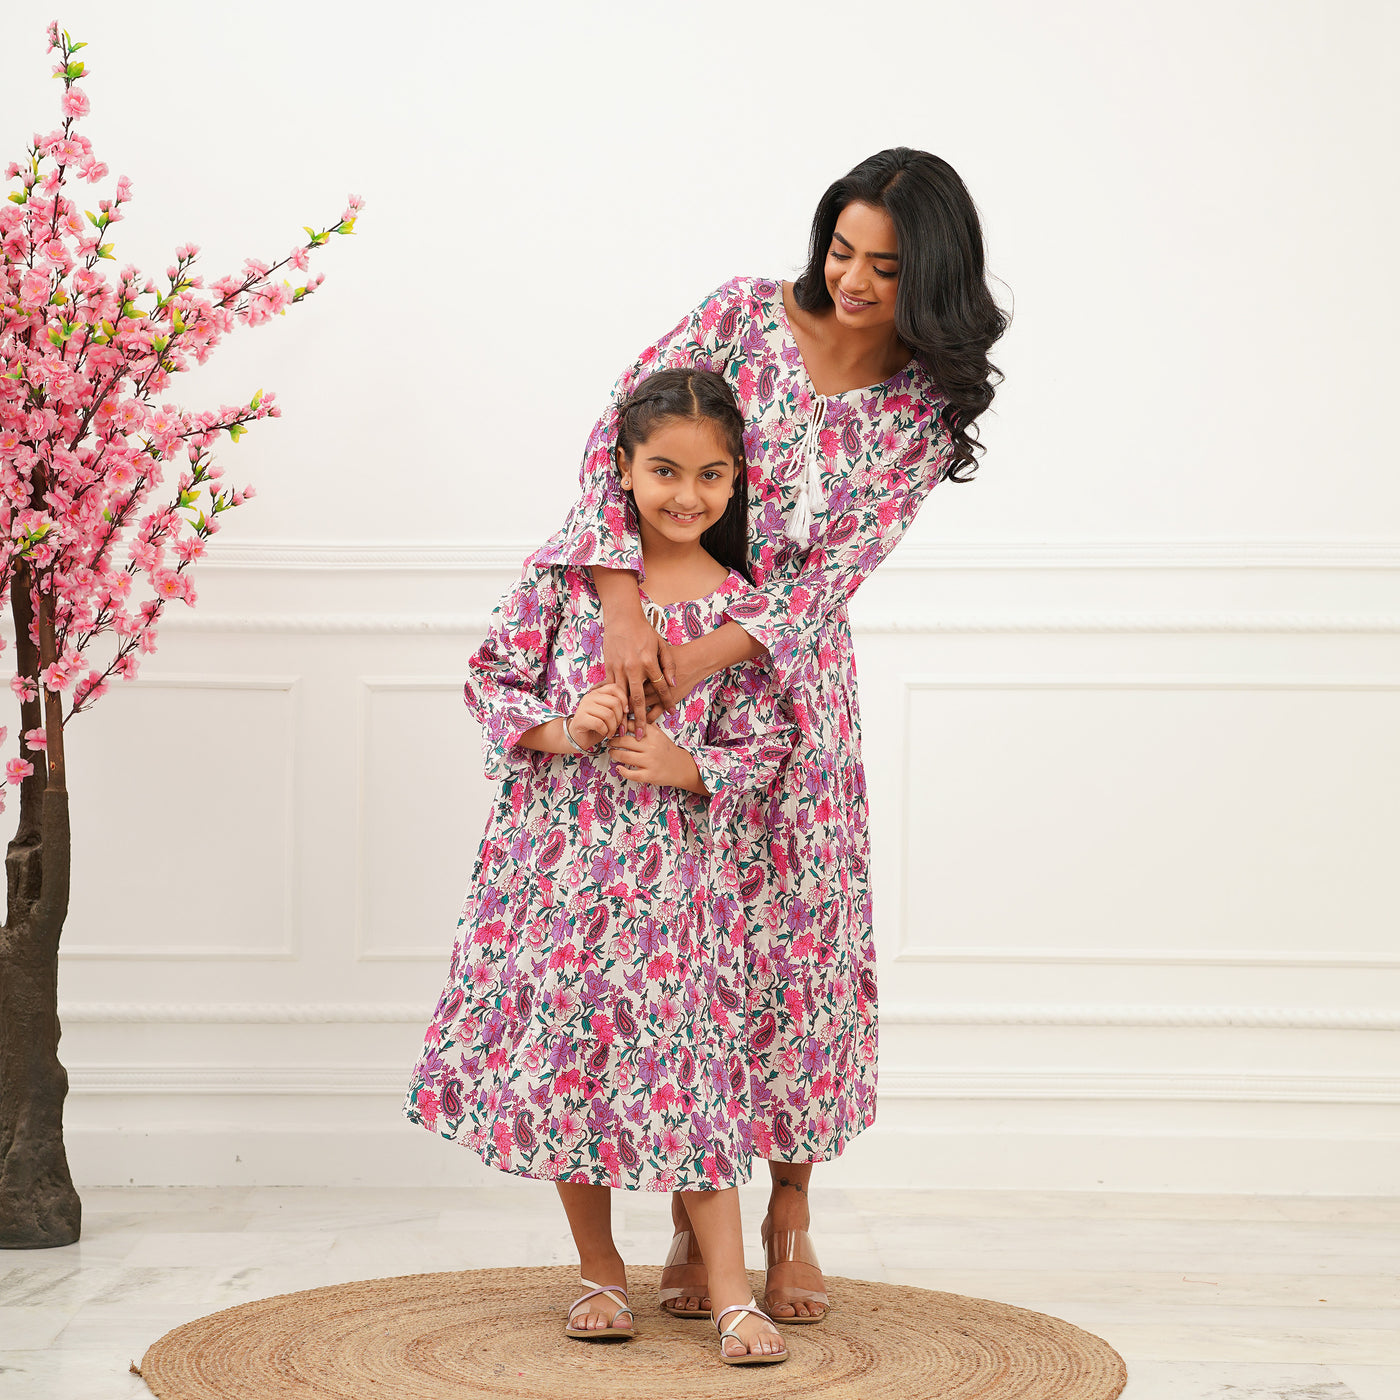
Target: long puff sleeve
x,y
865,518
599,528
507,677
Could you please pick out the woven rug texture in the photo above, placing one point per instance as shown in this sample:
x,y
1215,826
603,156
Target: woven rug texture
x,y
488,1333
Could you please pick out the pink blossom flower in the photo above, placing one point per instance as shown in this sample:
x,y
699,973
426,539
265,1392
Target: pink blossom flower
x,y
56,676
75,103
16,770
88,358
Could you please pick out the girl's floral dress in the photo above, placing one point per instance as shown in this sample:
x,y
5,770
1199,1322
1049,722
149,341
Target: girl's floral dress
x,y
592,1025
834,481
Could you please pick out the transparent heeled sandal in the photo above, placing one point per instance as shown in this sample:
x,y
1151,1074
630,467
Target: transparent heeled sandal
x,y
795,1249
684,1275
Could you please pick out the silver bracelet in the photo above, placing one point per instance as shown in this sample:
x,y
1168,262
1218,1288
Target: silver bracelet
x,y
564,721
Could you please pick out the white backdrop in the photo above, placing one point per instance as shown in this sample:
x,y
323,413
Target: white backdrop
x,y
1130,698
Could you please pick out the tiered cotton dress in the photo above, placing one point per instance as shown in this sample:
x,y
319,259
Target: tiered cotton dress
x,y
857,465
592,1025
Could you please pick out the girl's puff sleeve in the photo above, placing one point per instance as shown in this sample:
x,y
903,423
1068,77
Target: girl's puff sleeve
x,y
749,736
506,678
600,528
862,524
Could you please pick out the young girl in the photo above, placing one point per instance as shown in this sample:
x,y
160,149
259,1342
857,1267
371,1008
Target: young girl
x,y
591,1029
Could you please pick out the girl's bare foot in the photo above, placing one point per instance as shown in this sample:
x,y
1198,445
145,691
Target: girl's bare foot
x,y
601,1310
755,1335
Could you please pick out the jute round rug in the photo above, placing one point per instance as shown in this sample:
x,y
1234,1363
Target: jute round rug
x,y
499,1333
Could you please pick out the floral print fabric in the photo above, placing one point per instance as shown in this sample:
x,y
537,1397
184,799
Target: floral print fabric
x,y
810,987
591,1026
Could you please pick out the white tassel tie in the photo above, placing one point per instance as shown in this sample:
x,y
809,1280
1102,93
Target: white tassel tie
x,y
810,496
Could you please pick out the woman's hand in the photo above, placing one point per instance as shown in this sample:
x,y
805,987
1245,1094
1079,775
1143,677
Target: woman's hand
x,y
633,652
687,671
693,662
655,758
599,714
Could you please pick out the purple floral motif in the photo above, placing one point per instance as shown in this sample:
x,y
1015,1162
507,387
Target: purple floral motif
x,y
882,450
803,898
562,1036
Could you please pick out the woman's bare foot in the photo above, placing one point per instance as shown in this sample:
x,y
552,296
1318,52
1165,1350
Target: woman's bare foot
x,y
788,1210
694,1302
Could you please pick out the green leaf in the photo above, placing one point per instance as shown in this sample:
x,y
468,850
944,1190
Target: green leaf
x,y
257,399
73,48
19,197
92,218
348,226
76,69
236,431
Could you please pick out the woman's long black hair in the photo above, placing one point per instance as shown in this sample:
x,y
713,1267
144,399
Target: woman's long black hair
x,y
943,310
695,394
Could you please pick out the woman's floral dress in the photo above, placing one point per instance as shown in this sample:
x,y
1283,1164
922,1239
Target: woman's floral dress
x,y
834,481
591,1026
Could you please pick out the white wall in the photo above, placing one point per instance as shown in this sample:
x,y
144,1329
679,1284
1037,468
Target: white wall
x,y
1129,698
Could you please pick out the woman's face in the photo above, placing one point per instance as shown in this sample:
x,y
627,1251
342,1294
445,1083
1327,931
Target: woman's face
x,y
681,478
862,267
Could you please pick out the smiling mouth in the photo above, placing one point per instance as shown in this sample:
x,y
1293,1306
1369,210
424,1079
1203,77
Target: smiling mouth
x,y
850,303
684,519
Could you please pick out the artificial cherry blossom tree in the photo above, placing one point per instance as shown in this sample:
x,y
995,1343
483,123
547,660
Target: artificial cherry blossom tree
x,y
94,543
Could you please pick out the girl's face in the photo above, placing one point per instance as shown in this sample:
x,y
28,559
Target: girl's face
x,y
862,267
681,478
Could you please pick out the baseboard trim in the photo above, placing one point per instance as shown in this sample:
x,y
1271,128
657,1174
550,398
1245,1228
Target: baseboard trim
x,y
885,1156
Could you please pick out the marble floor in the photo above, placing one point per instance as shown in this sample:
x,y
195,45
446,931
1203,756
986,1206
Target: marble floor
x,y
1207,1297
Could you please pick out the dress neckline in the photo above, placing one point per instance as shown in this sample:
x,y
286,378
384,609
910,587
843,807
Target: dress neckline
x,y
723,589
905,369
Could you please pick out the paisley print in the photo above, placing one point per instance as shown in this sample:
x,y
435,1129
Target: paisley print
x,y
592,1025
809,960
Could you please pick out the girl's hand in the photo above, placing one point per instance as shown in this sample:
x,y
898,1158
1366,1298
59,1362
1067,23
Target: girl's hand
x,y
599,714
655,758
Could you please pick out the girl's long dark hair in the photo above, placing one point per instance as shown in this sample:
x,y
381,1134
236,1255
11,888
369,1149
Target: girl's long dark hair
x,y
943,310
696,394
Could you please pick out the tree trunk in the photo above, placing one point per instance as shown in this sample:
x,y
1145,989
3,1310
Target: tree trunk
x,y
39,1207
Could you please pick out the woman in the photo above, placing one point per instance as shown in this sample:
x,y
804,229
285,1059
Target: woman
x,y
859,384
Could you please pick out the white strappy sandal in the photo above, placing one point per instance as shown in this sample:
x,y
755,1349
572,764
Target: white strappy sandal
x,y
746,1357
589,1333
